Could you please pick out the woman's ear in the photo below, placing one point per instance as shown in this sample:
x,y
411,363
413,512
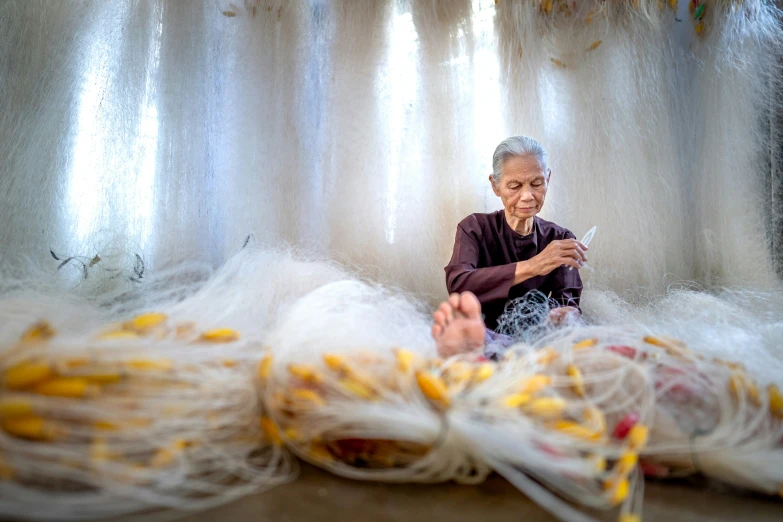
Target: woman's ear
x,y
548,175
494,186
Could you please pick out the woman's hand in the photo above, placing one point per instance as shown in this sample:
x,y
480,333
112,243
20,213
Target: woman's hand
x,y
563,252
562,315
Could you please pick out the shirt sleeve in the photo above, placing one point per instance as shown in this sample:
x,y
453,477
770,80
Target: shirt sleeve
x,y
565,284
489,284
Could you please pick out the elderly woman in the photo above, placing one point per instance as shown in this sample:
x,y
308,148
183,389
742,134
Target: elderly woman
x,y
506,254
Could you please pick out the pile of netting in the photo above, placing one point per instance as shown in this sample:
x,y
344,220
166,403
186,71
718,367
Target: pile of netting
x,y
155,412
145,414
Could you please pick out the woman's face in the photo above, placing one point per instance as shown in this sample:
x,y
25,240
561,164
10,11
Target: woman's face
x,y
522,186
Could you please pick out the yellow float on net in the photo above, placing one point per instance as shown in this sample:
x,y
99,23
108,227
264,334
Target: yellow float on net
x,y
775,401
145,322
637,437
292,435
516,400
78,362
269,428
535,383
118,334
587,343
357,388
26,374
739,386
265,367
334,362
577,381
483,373
71,387
150,364
40,331
546,355
576,430
15,407
319,453
29,427
220,335
546,406
619,492
753,393
657,341
626,464
308,396
433,388
304,372
404,360
731,364
103,425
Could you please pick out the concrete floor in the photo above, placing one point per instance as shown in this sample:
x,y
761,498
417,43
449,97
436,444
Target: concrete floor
x,y
318,496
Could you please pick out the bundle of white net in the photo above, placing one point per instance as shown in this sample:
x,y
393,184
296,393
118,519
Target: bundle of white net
x,y
566,419
105,412
200,400
145,415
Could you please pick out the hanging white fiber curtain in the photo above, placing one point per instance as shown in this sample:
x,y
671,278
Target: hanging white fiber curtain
x,y
364,130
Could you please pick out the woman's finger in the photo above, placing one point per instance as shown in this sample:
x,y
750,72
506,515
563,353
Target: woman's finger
x,y
571,254
574,247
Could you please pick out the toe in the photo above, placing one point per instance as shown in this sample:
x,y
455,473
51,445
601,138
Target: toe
x,y
437,330
469,305
439,318
447,311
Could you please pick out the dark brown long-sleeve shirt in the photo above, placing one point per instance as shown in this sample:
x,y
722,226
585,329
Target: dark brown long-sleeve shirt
x,y
486,251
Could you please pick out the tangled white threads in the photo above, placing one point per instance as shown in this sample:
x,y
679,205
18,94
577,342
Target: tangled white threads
x,y
144,416
575,411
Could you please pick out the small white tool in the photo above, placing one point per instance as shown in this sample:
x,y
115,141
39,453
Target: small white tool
x,y
586,242
588,237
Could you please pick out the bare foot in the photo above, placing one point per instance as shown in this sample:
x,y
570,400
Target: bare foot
x,y
458,327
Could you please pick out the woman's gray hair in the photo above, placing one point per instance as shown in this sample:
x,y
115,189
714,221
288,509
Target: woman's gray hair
x,y
516,146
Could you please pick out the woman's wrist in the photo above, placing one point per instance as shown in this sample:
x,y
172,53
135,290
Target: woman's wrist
x,y
525,270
